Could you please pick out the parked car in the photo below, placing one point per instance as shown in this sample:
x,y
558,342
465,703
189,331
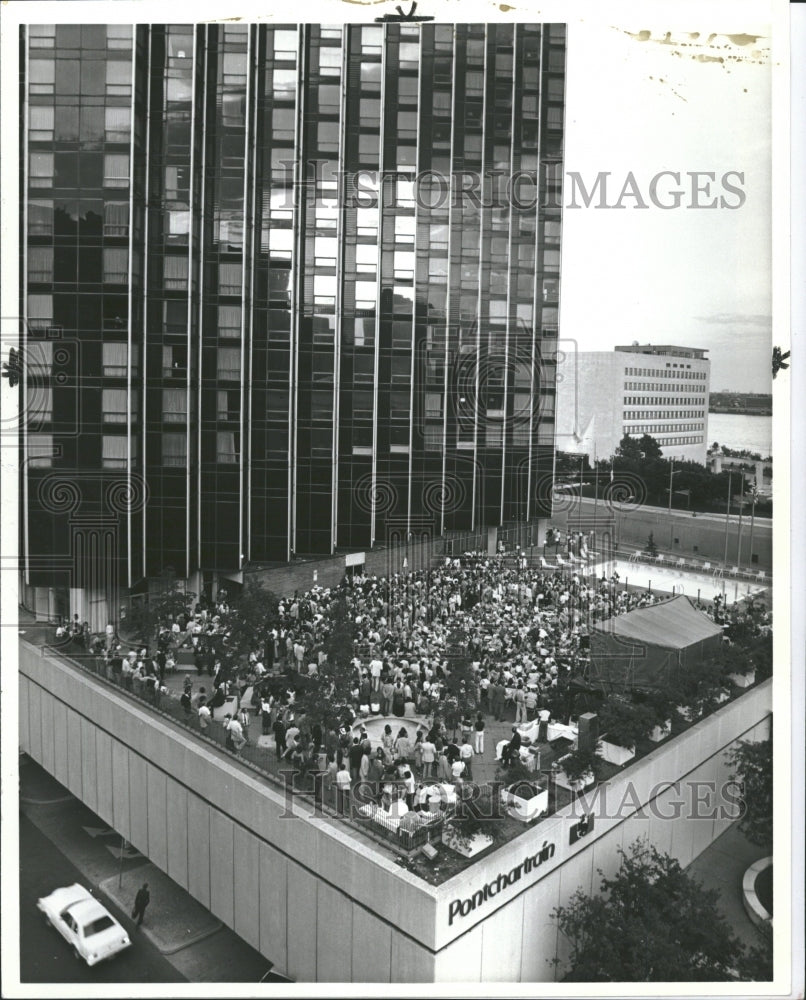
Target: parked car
x,y
85,924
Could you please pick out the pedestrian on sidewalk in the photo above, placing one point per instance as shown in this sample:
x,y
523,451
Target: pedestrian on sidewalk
x,y
141,901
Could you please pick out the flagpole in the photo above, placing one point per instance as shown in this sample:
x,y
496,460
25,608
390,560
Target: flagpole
x,y
727,522
739,542
595,491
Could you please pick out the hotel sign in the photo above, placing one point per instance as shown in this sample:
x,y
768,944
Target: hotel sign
x,y
461,907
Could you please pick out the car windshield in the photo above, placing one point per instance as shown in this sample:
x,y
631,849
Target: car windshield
x,y
98,925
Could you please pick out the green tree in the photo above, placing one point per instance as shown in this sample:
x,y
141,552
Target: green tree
x,y
330,689
629,449
252,614
649,448
160,607
651,547
651,922
461,680
753,768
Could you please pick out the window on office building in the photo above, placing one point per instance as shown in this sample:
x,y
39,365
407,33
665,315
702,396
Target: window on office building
x,y
174,361
174,406
175,272
40,311
114,451
114,406
40,123
226,448
40,264
118,36
229,278
116,170
41,76
40,218
116,218
40,170
229,322
229,364
117,124
174,450
40,451
116,265
114,359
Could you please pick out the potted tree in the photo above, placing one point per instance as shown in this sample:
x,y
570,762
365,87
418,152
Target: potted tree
x,y
576,770
661,703
623,723
742,671
524,798
701,688
474,828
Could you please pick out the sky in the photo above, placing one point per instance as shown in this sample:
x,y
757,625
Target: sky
x,y
643,101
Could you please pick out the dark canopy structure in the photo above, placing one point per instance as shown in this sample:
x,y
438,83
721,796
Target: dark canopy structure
x,y
647,647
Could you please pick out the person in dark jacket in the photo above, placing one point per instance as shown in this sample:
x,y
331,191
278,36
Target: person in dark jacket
x,y
511,751
141,901
279,735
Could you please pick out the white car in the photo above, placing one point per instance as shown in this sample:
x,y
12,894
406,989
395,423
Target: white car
x,y
87,926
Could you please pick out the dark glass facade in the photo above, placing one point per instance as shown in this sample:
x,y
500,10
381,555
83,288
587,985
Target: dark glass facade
x,y
307,277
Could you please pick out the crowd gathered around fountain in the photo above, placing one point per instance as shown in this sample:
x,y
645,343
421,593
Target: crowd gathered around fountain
x,y
522,631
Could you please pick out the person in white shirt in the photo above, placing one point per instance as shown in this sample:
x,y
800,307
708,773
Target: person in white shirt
x,y
457,770
375,668
342,787
466,758
204,714
410,784
235,734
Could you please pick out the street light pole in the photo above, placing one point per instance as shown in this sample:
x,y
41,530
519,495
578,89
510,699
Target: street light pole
x,y
754,497
739,542
671,473
727,521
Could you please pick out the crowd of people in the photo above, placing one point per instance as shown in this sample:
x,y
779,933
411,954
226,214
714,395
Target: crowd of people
x,y
519,630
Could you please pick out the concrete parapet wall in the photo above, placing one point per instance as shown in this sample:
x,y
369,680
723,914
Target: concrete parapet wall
x,y
215,828
317,899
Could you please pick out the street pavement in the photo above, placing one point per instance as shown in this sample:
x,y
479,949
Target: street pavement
x,y
61,842
45,957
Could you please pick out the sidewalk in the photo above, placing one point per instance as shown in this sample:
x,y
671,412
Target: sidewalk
x,y
195,942
173,920
722,866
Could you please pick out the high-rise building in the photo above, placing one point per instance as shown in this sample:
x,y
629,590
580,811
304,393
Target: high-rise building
x,y
287,289
642,389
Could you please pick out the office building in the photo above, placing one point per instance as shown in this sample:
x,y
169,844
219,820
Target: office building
x,y
287,290
641,389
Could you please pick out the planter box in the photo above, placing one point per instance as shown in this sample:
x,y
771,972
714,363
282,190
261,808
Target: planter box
x,y
743,680
562,779
661,732
614,754
468,847
525,809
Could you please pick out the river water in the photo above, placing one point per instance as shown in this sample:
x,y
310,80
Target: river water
x,y
740,431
